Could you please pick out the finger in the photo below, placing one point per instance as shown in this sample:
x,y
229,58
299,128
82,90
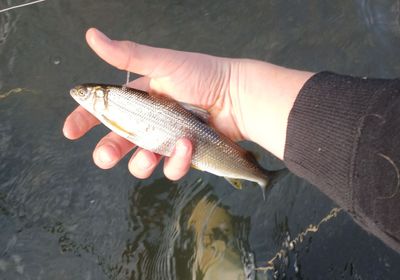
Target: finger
x,y
133,57
110,150
176,166
78,123
143,163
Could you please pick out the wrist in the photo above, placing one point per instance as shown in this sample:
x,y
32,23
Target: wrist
x,y
266,94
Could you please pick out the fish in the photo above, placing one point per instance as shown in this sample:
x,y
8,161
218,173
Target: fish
x,y
156,122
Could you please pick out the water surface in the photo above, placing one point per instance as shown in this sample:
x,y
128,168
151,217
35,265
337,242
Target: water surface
x,y
63,218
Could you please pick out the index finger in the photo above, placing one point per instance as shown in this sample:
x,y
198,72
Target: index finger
x,y
78,123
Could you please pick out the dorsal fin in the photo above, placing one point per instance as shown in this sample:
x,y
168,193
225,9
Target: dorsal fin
x,y
201,113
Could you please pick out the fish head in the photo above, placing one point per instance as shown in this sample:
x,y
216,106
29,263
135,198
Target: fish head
x,y
93,98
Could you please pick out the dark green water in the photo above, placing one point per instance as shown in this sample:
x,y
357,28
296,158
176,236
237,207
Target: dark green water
x,y
63,218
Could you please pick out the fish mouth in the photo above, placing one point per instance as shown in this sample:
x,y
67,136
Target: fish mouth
x,y
73,92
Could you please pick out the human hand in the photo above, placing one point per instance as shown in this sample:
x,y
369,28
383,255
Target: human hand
x,y
242,96
198,79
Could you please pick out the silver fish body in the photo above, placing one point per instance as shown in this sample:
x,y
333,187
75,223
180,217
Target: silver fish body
x,y
155,123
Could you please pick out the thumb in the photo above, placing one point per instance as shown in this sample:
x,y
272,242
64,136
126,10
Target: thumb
x,y
133,57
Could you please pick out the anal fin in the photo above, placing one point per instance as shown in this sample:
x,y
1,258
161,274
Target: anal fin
x,y
236,183
115,126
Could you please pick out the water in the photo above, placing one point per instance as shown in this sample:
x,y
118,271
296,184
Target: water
x,y
63,218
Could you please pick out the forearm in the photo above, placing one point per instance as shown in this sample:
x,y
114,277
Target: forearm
x,y
337,132
343,138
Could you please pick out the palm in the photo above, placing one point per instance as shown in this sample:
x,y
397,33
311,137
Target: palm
x,y
200,80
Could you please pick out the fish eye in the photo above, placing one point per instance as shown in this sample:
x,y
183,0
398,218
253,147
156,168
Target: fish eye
x,y
81,92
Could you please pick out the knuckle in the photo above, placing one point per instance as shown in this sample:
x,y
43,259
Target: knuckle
x,y
130,50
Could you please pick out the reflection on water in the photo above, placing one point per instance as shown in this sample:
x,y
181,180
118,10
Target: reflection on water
x,y
14,91
217,253
63,218
162,240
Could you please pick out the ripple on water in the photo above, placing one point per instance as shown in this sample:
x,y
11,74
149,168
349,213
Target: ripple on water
x,y
7,25
382,18
158,215
160,232
168,241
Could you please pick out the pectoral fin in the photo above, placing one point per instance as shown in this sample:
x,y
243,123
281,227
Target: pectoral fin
x,y
201,113
116,127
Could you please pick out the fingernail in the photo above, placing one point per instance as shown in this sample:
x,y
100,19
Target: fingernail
x,y
143,161
102,37
105,153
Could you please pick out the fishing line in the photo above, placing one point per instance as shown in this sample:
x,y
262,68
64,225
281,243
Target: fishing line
x,y
289,245
20,6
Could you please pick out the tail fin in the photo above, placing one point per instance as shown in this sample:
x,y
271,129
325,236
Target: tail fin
x,y
272,178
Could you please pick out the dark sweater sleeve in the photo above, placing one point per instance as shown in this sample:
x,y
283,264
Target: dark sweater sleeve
x,y
343,136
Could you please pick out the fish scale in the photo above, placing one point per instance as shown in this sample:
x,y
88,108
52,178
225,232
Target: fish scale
x,y
156,123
